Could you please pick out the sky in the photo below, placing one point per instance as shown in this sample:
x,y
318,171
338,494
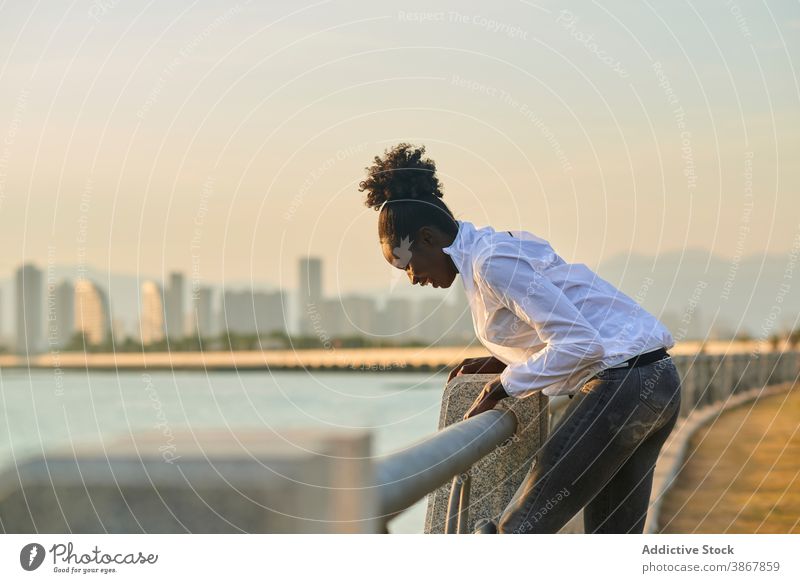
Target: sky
x,y
227,139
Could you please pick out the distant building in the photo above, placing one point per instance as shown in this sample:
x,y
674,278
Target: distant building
x,y
91,312
440,322
174,306
247,312
327,319
270,311
203,312
151,319
118,330
309,293
64,313
397,321
433,321
359,316
233,312
462,327
30,309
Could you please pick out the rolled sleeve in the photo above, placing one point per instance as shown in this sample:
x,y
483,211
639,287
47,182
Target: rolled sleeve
x,y
572,343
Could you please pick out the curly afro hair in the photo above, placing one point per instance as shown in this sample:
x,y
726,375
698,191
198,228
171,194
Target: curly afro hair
x,y
407,179
401,173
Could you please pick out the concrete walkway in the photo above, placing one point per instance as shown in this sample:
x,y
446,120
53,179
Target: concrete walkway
x,y
741,472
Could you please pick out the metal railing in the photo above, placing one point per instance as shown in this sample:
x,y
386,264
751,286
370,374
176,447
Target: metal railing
x,y
406,476
458,506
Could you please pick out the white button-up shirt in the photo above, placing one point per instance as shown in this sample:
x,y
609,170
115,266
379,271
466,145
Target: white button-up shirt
x,y
555,324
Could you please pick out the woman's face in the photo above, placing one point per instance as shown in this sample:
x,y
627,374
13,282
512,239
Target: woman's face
x,y
422,258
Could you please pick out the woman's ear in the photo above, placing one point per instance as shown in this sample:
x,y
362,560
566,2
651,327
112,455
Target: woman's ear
x,y
427,236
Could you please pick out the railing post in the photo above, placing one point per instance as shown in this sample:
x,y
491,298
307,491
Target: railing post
x,y
458,506
463,504
738,367
495,478
453,506
408,475
683,363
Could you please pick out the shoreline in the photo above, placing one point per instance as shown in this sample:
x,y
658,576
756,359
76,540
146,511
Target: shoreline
x,y
414,359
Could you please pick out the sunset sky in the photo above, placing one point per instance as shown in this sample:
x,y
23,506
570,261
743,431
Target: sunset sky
x,y
228,139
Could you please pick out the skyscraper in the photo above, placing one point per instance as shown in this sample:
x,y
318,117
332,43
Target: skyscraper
x,y
252,312
64,305
269,309
30,309
309,293
91,312
174,307
151,319
203,312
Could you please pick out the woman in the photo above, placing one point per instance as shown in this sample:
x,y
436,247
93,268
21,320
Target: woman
x,y
550,326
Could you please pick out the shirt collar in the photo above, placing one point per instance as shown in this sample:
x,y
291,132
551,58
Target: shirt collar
x,y
461,247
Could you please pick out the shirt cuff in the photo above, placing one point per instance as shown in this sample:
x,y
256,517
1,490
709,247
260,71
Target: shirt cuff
x,y
506,378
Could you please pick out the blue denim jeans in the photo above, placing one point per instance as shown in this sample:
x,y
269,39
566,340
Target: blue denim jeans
x,y
601,454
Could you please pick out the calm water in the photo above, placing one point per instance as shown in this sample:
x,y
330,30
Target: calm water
x,y
40,410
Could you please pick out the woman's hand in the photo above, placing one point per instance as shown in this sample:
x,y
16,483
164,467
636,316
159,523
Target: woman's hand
x,y
480,365
492,393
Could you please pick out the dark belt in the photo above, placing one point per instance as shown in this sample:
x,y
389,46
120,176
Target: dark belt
x,y
641,359
638,360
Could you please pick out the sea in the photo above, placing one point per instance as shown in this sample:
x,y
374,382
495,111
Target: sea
x,y
42,409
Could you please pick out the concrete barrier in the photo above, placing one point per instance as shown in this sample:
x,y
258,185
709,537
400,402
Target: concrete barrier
x,y
410,474
494,479
211,482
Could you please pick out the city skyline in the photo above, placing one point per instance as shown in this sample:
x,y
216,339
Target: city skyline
x,y
704,287
239,138
49,315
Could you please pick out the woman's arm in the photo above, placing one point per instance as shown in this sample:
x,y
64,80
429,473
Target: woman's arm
x,y
572,343
492,393
479,365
